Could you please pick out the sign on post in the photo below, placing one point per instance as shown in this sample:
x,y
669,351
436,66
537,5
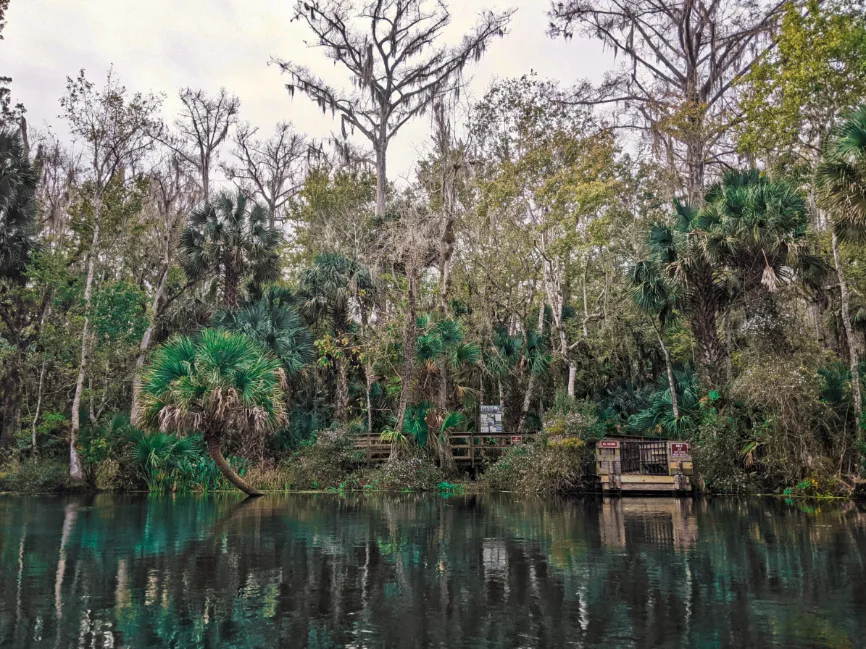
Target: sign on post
x,y
679,449
491,419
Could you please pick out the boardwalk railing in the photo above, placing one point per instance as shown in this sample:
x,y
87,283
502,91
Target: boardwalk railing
x,y
469,449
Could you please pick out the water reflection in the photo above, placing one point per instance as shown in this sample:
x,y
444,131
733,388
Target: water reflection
x,y
412,571
651,521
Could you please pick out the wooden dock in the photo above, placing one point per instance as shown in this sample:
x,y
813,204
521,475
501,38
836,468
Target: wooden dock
x,y
470,450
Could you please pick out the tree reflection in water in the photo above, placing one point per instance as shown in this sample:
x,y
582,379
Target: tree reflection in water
x,y
418,571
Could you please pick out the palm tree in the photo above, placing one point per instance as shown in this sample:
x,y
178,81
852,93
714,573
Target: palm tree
x,y
230,240
841,179
749,236
273,322
677,257
757,228
219,383
443,353
330,288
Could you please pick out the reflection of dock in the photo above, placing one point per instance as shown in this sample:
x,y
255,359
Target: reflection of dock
x,y
657,521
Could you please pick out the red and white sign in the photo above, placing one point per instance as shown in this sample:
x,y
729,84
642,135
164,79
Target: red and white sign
x,y
679,449
517,439
608,443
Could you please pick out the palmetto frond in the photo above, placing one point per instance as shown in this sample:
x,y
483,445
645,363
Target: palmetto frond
x,y
652,293
428,347
463,355
275,325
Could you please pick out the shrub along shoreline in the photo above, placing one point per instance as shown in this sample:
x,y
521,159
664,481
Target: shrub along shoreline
x,y
548,464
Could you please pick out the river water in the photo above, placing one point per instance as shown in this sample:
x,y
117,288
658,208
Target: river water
x,y
403,571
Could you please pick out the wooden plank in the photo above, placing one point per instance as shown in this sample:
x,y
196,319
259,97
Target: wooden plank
x,y
637,477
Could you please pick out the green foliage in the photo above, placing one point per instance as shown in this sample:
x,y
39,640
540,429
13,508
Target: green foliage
x,y
542,467
34,476
794,94
18,182
717,445
657,419
325,462
117,313
414,423
158,456
572,418
275,325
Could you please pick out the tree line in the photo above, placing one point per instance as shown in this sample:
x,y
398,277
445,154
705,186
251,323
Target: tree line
x,y
675,251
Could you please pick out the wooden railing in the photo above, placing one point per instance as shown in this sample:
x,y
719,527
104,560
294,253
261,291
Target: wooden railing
x,y
469,449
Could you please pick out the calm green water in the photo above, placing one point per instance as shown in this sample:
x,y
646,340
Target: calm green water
x,y
411,571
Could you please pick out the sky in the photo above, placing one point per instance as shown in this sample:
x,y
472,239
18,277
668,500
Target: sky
x,y
163,45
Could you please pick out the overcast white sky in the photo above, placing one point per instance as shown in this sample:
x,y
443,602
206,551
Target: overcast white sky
x,y
162,45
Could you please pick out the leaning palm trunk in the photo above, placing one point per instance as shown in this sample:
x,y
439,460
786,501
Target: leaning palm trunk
x,y
215,451
675,406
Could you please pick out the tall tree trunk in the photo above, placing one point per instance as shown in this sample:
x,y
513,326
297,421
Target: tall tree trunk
x,y
205,180
368,367
215,451
408,358
853,356
368,377
75,469
272,214
381,177
553,283
39,389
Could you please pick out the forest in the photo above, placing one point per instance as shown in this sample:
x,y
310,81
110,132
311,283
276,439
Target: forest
x,y
190,302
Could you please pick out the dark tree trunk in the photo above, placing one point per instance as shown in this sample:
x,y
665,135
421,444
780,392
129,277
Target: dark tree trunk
x,y
230,288
11,399
710,357
215,451
408,359
368,369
